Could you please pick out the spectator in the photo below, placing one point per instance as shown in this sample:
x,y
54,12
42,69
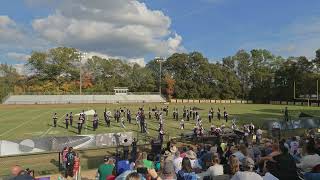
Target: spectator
x,y
233,165
70,162
186,172
285,164
216,169
19,174
177,161
241,153
106,169
64,158
294,145
311,159
133,176
269,170
192,156
247,173
275,152
146,159
168,171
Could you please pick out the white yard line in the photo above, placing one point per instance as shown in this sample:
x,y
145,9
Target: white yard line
x,y
10,130
49,129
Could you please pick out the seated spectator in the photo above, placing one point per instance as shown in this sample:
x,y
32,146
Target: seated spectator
x,y
186,172
275,152
233,165
247,173
138,165
19,174
146,159
106,169
168,172
191,155
215,170
285,164
269,170
177,161
311,159
241,153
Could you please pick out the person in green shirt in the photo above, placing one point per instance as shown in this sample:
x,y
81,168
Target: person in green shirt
x,y
148,163
106,169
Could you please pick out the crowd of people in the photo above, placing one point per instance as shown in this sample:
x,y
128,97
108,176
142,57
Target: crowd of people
x,y
294,158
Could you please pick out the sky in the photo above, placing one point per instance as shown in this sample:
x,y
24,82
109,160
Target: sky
x,y
139,30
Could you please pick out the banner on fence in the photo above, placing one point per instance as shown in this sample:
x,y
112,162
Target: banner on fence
x,y
47,144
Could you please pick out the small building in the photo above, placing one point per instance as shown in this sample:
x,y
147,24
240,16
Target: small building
x,y
121,90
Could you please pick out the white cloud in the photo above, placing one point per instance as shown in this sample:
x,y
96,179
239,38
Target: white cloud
x,y
139,61
18,56
124,28
22,69
9,32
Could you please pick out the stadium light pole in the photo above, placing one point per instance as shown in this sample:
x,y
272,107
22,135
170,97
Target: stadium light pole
x,y
80,56
160,60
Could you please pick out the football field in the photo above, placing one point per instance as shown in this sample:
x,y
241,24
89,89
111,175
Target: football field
x,y
29,121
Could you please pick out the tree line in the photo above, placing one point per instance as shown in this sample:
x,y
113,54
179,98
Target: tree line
x,y
257,75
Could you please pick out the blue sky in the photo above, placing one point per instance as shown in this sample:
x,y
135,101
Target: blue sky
x,y
217,28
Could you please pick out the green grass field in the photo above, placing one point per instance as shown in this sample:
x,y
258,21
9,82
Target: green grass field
x,y
21,121
27,121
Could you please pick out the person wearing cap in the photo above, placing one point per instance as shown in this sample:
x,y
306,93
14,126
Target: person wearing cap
x,y
193,159
247,173
168,171
106,169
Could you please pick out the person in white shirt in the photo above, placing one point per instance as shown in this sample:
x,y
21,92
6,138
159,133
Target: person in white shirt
x,y
294,146
248,173
215,170
177,161
310,160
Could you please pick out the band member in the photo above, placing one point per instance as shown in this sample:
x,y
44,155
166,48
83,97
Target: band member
x,y
71,118
209,116
219,114
129,116
151,116
201,130
177,114
106,118
286,114
161,134
142,123
167,110
194,114
182,124
174,113
160,124
225,115
83,117
55,119
67,121
122,123
80,123
95,121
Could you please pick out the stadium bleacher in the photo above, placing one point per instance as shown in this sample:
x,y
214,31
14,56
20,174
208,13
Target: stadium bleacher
x,y
76,99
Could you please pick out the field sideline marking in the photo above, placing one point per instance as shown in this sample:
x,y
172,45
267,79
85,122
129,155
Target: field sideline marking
x,y
24,123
